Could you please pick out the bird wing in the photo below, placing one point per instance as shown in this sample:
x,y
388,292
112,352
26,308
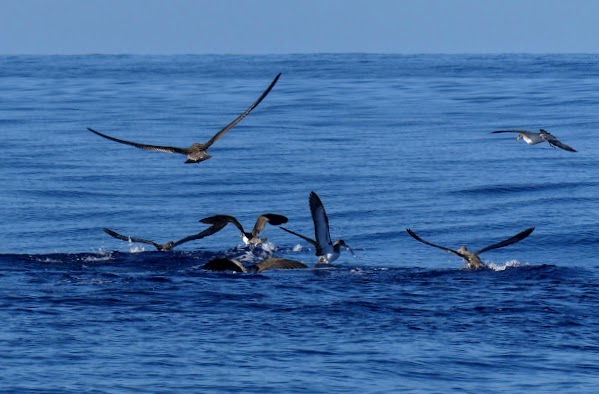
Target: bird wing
x,y
224,264
555,142
321,222
271,218
512,240
130,239
228,127
276,263
209,231
309,240
153,148
223,220
514,131
417,238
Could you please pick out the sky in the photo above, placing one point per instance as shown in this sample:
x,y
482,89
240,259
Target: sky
x,y
298,26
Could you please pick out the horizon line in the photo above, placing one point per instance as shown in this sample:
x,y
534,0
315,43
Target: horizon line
x,y
293,53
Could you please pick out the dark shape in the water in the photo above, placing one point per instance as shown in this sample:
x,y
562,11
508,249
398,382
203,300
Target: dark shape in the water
x,y
248,238
472,257
169,245
224,264
197,152
533,138
325,248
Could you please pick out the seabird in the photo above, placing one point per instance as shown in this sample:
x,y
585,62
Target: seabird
x,y
197,152
533,138
325,248
170,244
224,264
472,257
248,238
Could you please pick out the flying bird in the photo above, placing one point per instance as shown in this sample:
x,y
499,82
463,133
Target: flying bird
x,y
224,264
472,257
532,138
169,245
197,152
248,238
325,248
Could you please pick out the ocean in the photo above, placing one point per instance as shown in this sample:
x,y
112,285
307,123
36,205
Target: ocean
x,y
388,142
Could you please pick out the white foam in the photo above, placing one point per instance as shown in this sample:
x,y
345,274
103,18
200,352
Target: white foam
x,y
297,248
101,255
135,248
268,247
92,259
503,267
357,271
48,260
248,256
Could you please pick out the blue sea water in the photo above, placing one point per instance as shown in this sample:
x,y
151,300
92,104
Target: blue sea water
x,y
387,141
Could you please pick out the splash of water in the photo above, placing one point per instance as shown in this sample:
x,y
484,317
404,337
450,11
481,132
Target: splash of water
x,y
506,265
135,248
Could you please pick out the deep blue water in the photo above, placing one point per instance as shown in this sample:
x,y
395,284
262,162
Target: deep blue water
x,y
387,141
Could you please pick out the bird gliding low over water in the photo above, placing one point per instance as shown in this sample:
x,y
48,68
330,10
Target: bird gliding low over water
x,y
248,238
171,244
533,138
197,152
472,258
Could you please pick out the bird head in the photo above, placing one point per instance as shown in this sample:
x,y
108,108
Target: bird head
x,y
341,243
463,250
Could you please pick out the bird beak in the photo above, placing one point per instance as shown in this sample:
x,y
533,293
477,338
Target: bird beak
x,y
351,250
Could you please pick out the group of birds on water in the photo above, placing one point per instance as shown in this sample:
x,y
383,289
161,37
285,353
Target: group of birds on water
x,y
326,250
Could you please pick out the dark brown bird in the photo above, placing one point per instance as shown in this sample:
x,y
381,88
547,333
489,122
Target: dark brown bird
x,y
170,244
224,264
248,238
472,257
197,152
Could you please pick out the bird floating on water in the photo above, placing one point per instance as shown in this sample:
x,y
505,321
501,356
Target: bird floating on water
x,y
197,152
532,138
472,257
224,264
325,248
169,245
248,238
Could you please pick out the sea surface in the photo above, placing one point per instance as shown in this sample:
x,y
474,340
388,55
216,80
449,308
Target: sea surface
x,y
388,142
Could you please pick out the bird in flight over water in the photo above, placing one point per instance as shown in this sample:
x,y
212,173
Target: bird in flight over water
x,y
197,152
532,138
248,238
472,258
325,248
169,245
